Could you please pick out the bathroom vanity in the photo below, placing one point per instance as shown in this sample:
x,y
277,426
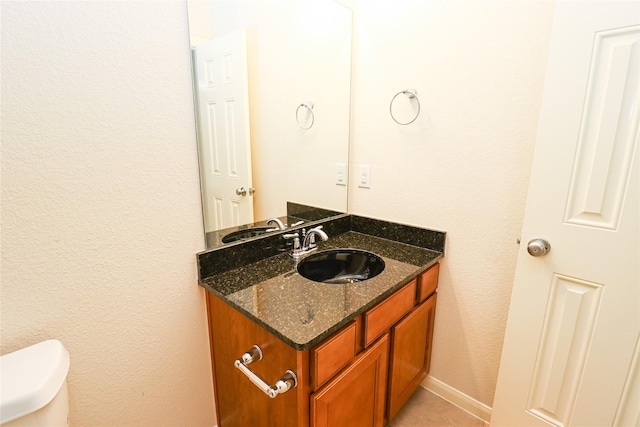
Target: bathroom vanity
x,y
290,351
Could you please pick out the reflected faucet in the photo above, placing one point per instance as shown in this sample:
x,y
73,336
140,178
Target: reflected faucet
x,y
279,223
281,226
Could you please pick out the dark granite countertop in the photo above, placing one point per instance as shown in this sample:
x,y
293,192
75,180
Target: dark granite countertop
x,y
303,313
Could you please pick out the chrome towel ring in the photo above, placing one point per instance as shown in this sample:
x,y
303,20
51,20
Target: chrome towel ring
x,y
309,106
412,94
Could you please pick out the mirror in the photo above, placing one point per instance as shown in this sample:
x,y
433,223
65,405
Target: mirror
x,y
272,95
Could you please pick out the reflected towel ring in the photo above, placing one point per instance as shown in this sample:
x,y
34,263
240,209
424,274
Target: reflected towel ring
x,y
309,106
412,94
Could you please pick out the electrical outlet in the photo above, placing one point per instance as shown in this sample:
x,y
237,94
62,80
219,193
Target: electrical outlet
x,y
364,176
341,174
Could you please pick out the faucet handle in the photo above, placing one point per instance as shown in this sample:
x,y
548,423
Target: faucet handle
x,y
296,239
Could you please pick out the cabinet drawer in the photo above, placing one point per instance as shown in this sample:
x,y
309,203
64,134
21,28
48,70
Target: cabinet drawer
x,y
381,317
428,282
333,355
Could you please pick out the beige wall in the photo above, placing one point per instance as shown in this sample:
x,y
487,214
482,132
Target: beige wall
x,y
101,209
464,165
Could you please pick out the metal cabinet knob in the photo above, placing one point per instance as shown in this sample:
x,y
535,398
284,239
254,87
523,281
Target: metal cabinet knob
x,y
538,247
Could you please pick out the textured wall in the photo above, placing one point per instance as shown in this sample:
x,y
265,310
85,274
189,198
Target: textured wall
x,y
101,209
464,165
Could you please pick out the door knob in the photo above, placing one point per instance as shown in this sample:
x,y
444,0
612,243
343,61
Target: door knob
x,y
243,191
538,247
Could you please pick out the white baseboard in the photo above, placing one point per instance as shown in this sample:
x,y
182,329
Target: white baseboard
x,y
458,398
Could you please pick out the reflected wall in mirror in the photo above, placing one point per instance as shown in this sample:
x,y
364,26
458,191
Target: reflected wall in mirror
x,y
272,94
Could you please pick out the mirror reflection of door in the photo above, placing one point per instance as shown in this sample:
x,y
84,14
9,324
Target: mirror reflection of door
x,y
220,68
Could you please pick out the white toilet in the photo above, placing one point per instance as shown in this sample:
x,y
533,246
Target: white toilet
x,y
33,386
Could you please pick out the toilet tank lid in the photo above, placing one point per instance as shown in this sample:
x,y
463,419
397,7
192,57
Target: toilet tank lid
x,y
31,377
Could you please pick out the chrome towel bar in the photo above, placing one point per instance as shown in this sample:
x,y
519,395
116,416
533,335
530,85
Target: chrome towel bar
x,y
282,385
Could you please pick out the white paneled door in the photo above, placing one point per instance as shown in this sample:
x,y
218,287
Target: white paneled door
x,y
571,350
220,68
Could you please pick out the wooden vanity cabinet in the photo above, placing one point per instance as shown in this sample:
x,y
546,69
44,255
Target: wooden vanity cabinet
x,y
360,376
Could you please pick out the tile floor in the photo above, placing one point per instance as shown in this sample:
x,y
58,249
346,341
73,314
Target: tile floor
x,y
425,409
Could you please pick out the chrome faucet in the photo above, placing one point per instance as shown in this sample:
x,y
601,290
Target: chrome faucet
x,y
279,223
309,242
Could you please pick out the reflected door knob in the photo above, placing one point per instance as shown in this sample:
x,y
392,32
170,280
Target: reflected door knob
x,y
538,247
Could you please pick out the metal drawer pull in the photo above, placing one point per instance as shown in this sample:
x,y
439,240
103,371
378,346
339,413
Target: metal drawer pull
x,y
282,385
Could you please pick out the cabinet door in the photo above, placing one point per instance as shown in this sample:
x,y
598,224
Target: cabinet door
x,y
410,354
356,397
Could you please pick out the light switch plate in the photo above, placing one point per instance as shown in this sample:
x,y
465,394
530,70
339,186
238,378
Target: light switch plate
x,y
364,176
